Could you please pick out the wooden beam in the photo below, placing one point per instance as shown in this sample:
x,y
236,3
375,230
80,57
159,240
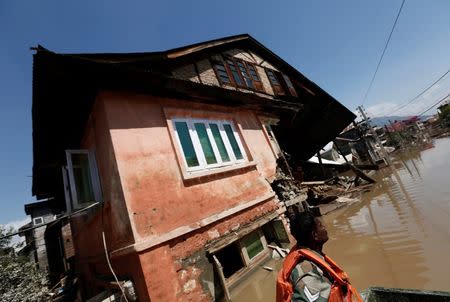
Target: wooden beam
x,y
222,279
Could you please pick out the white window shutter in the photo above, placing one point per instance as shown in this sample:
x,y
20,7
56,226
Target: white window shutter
x,y
95,176
66,190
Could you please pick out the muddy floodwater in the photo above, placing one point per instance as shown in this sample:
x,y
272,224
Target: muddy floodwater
x,y
397,235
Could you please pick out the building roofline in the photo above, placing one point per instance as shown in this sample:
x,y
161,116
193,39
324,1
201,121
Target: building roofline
x,y
47,203
84,75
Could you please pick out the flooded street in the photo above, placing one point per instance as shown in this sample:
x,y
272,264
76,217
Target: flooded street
x,y
399,234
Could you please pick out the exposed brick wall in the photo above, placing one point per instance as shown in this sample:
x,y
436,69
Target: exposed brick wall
x,y
186,72
241,54
196,274
207,74
184,246
262,62
265,80
41,247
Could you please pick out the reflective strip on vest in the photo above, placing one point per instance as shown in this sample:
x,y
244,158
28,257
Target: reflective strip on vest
x,y
341,289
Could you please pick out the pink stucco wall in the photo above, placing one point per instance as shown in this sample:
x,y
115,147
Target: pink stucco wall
x,y
146,194
116,223
157,197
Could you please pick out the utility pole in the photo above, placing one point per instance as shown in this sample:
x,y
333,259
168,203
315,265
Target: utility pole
x,y
375,135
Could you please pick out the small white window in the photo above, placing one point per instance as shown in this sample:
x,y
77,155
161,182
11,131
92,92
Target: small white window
x,y
208,144
81,180
38,220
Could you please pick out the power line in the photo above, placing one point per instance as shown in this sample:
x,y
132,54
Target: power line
x,y
443,99
382,54
420,94
49,222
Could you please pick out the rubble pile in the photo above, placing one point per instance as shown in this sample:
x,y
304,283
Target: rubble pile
x,y
287,187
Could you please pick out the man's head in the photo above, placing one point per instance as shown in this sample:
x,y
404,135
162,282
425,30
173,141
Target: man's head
x,y
308,230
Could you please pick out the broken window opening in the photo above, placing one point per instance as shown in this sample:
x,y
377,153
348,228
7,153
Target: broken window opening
x,y
231,260
244,252
275,233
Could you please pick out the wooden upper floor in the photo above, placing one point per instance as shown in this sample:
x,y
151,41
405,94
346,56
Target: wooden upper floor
x,y
237,69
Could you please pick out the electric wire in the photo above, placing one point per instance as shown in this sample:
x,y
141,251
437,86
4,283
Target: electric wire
x,y
50,222
441,100
111,268
420,94
382,54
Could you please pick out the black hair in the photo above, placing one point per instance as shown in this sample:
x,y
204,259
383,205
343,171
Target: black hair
x,y
302,225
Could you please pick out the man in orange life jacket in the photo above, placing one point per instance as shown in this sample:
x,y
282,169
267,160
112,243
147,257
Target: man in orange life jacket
x,y
307,273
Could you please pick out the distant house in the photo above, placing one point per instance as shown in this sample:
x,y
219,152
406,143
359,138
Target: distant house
x,y
44,242
443,110
176,150
443,106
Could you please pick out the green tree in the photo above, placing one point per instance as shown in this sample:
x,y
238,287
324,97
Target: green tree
x,y
5,240
445,116
19,278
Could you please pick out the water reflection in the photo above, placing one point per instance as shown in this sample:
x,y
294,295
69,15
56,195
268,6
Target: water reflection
x,y
398,235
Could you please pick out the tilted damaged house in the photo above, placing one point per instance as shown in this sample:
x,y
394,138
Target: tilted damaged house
x,y
178,148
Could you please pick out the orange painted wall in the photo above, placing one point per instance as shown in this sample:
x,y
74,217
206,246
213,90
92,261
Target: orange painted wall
x,y
157,197
87,228
187,282
116,222
145,194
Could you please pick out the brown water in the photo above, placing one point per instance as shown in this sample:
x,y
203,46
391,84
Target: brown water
x,y
398,235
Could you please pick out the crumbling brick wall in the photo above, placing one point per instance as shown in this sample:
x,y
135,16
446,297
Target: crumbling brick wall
x,y
196,278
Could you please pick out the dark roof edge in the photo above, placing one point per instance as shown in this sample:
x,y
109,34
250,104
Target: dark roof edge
x,y
40,204
171,54
223,39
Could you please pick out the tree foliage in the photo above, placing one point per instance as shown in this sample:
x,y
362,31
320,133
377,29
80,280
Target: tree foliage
x,y
445,116
19,278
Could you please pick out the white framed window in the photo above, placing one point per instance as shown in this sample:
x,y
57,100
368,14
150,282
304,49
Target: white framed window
x,y
81,180
208,144
38,220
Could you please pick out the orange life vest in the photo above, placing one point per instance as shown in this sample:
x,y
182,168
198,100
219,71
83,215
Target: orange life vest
x,y
341,289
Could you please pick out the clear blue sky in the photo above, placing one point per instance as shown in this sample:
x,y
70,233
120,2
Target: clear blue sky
x,y
336,44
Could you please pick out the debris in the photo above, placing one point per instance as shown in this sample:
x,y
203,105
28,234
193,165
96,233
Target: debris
x,y
361,174
314,183
280,251
286,186
268,268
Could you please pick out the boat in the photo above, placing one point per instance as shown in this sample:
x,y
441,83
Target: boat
x,y
385,294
